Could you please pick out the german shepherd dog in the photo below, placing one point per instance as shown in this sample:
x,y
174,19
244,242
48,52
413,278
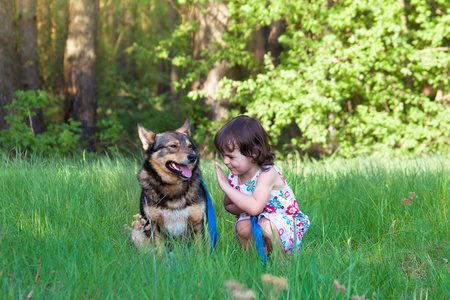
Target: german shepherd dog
x,y
173,200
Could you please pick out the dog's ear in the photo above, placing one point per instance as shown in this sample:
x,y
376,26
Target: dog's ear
x,y
147,137
186,128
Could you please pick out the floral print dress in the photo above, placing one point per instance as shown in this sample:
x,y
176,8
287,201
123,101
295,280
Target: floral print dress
x,y
281,209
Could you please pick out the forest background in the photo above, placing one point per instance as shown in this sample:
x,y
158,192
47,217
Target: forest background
x,y
343,78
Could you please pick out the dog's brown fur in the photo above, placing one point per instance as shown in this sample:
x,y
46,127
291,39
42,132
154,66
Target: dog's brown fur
x,y
173,200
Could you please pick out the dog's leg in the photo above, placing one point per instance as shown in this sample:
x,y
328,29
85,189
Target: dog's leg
x,y
159,243
196,233
196,226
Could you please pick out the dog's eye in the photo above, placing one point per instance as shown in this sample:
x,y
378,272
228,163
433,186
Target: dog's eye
x,y
190,146
173,146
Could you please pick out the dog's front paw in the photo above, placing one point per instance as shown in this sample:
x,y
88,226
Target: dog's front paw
x,y
138,237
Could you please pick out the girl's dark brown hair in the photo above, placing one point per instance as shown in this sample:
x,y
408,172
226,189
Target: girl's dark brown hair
x,y
249,136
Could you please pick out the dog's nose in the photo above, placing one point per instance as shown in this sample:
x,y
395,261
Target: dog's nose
x,y
192,157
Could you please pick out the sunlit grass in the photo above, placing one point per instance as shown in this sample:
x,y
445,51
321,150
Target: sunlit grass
x,y
61,234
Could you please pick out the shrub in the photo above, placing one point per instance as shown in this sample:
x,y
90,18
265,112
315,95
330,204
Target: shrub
x,y
57,139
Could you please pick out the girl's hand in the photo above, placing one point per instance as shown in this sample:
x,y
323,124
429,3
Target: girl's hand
x,y
225,185
222,180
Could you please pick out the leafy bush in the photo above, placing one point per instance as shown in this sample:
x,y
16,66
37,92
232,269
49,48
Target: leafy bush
x,y
353,78
356,77
57,139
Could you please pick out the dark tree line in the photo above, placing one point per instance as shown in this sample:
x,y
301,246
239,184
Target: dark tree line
x,y
20,65
332,77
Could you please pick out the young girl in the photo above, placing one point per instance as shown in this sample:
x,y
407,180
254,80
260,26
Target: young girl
x,y
255,187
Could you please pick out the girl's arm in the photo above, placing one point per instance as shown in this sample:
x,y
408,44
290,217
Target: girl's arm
x,y
253,204
231,207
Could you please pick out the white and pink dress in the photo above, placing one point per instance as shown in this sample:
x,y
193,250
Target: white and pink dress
x,y
281,209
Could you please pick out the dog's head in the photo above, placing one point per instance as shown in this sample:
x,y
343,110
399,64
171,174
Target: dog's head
x,y
172,154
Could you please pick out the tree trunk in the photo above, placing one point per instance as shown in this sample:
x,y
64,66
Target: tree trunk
x,y
29,68
80,68
174,76
168,72
276,28
44,40
9,69
60,20
213,20
258,45
266,40
127,15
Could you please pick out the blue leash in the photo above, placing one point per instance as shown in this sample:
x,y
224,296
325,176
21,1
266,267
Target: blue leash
x,y
211,218
256,229
257,235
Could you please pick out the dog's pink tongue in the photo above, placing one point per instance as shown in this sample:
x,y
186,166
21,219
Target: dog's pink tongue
x,y
186,171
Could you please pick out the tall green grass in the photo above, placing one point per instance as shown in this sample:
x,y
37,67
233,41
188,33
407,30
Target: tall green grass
x,y
61,234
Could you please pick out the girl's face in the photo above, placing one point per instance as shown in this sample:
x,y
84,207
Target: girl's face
x,y
237,163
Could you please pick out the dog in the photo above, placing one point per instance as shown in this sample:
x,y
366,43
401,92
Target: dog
x,y
173,199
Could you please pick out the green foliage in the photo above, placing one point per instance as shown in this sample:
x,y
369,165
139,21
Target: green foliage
x,y
133,65
109,130
353,77
57,139
352,74
130,104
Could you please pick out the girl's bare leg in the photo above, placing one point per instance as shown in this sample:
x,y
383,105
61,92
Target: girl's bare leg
x,y
270,234
244,234
271,237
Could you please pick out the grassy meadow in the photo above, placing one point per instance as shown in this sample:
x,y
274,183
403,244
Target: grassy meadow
x,y
62,236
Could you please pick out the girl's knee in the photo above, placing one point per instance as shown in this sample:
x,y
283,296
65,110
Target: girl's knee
x,y
271,236
268,227
244,229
